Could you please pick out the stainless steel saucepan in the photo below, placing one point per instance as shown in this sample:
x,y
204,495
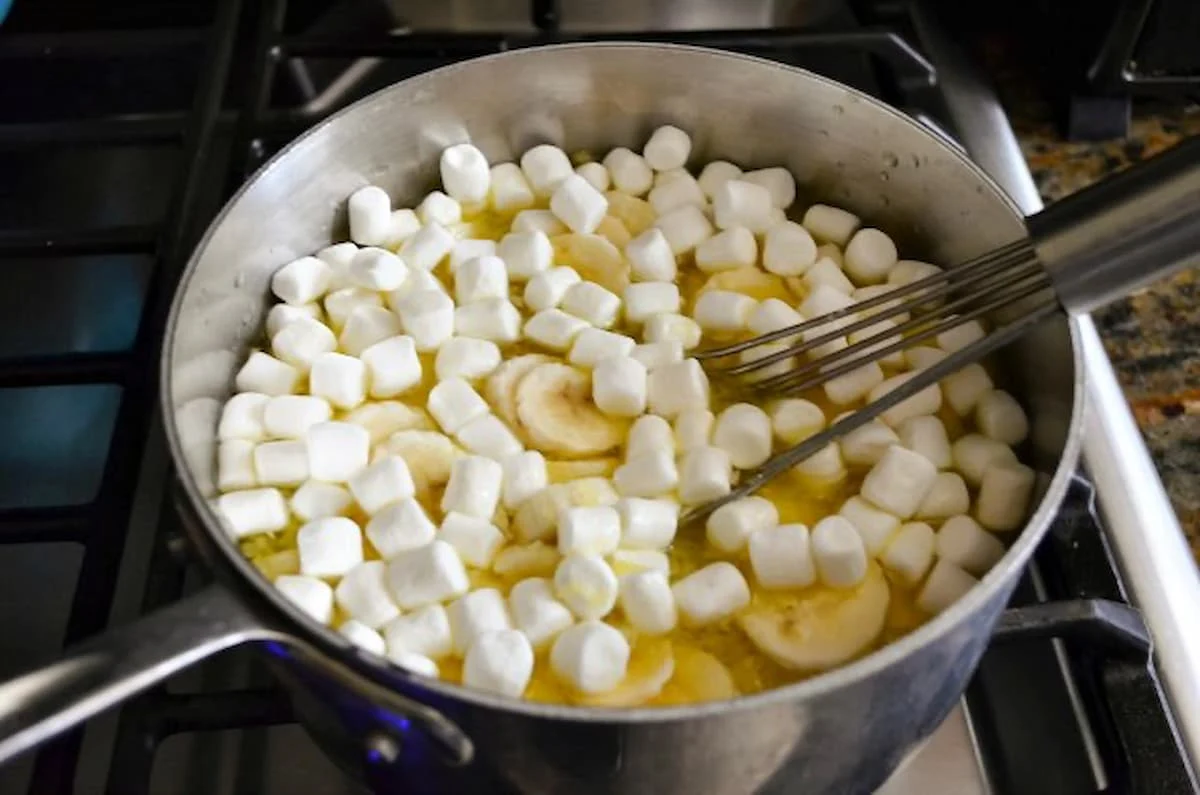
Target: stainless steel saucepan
x,y
844,731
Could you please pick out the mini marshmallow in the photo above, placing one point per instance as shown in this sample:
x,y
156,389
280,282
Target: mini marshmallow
x,y
480,278
894,360
648,603
377,269
676,387
595,174
465,173
593,531
947,497
369,210
316,500
907,271
631,561
489,436
466,250
821,301
290,416
866,444
338,257
710,594
312,596
741,203
363,637
966,387
772,315
684,228
826,271
927,435
554,329
729,527
961,541
854,385
362,594
339,304
427,316
668,148
525,254
425,631
645,299
392,366
727,250
474,487
524,474
301,281
923,403
910,552
705,474
414,663
545,167
974,454
243,417
672,327
591,302
743,431
831,224
723,310
593,345
542,221
794,419
1004,496
650,474
838,552
281,314
454,403
329,547
657,354
899,482
336,451
300,342
586,585
428,574
386,481
494,319
578,204
781,557
399,527
499,662
716,174
649,434
999,416
869,256
945,585
822,467
680,189
922,357
366,326
629,171
281,463
875,527
536,613
235,465
789,250
402,225
425,249
511,191
525,560
960,336
340,379
466,358
647,523
546,289
253,511
778,182
591,657
765,355
478,612
619,386
650,256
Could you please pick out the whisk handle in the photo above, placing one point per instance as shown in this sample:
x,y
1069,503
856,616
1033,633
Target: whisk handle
x,y
1129,230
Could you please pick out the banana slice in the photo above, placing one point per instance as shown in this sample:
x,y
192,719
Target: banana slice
x,y
278,564
500,391
554,405
699,676
558,471
429,455
636,214
651,666
593,258
613,230
819,630
751,281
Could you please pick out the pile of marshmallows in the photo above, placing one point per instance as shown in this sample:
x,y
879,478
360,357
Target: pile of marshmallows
x,y
355,316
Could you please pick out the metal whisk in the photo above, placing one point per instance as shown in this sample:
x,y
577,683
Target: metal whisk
x,y
1096,246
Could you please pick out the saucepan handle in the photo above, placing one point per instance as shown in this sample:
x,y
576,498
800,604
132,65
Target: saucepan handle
x,y
102,672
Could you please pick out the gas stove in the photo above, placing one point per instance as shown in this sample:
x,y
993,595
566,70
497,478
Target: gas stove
x,y
118,145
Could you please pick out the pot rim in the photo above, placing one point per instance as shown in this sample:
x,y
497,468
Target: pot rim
x,y
329,640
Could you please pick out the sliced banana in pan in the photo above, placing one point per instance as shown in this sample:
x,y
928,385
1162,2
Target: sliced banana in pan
x,y
752,281
699,677
593,258
554,406
651,666
822,628
500,391
559,471
636,214
429,456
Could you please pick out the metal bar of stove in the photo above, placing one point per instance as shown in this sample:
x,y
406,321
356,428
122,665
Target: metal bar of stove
x,y
119,131
50,525
64,369
247,150
232,709
99,43
131,239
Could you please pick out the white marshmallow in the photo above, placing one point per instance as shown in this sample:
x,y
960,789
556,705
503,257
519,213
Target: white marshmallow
x,y
338,257
524,474
339,304
631,561
684,228
965,388
668,148
428,574
586,585
235,465
679,190
392,366
781,557
705,474
329,547
838,552
537,517
363,595
676,387
499,662
546,289
794,419
999,416
591,657
316,500
900,481
525,560
716,174
629,171
743,431
619,386
1004,496
465,173
594,531
340,379
312,596
789,250
927,435
281,463
826,271
854,385
363,637
947,497
480,278
729,527
960,336
961,541
536,612
907,271
369,210
466,358
545,167
831,224
398,527
337,451
645,299
975,454
875,527
385,481
910,552
427,316
465,250
474,487
243,417
778,182
650,256
646,523
301,341
821,301
727,250
593,303
253,511
649,434
511,191
723,310
945,585
595,174
767,365
671,327
377,269
402,225
593,345
710,594
454,403
301,281
525,254
647,475
578,204
823,467
281,314
542,221
772,315
366,326
425,249
648,603
866,444
475,614
425,631
869,256
494,319
657,354
489,436
922,357
554,329
741,203
923,403
414,663
895,359
290,416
